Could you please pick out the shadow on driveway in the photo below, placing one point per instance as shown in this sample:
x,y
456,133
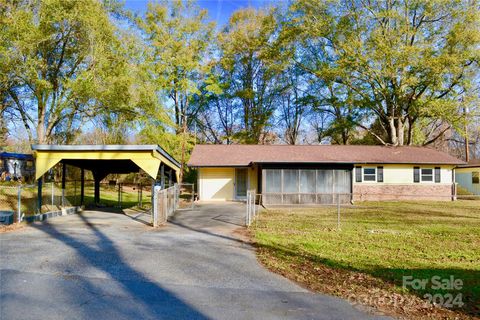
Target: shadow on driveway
x,y
145,299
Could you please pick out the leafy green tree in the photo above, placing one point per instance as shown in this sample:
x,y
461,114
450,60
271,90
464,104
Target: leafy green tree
x,y
179,38
294,104
404,63
63,61
250,62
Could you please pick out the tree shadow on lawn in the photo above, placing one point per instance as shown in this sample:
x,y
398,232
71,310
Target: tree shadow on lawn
x,y
385,277
146,298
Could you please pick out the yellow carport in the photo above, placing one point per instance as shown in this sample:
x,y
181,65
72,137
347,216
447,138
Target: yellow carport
x,y
103,160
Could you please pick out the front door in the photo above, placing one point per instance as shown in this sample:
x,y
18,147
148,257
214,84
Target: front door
x,y
241,181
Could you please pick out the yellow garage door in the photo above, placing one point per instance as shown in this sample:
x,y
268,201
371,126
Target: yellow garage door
x,y
216,183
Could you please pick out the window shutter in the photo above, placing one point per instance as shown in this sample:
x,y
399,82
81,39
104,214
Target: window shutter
x,y
379,174
416,174
358,174
437,175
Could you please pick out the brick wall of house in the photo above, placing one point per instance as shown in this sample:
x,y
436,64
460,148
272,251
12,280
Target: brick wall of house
x,y
375,192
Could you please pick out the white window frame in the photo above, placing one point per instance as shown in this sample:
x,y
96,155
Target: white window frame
x,y
363,174
432,175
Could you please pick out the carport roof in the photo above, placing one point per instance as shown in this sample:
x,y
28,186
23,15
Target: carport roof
x,y
104,158
244,155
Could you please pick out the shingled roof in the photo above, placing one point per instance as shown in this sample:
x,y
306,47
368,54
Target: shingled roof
x,y
475,163
244,155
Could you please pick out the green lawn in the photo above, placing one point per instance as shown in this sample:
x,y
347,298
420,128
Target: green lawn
x,y
29,202
109,196
379,243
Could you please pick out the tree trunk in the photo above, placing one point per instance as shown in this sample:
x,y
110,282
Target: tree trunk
x,y
393,131
400,132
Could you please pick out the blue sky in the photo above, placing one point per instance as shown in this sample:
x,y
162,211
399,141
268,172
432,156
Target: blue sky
x,y
219,10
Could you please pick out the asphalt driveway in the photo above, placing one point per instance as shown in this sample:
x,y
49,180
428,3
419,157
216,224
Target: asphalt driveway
x,y
102,265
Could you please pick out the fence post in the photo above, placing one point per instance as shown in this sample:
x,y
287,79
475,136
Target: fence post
x,y
165,206
19,208
64,174
118,196
253,203
155,206
152,191
338,211
175,194
247,217
246,212
121,195
75,192
53,194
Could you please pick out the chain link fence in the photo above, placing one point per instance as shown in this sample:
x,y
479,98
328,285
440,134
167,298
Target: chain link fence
x,y
251,211
186,196
23,200
338,203
296,198
165,203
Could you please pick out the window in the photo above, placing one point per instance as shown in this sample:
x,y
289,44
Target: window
x,y
427,174
369,174
475,177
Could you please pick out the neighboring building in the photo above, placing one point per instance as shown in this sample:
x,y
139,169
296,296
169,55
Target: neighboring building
x,y
17,165
285,174
468,176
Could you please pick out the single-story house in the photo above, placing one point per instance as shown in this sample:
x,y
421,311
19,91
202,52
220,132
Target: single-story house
x,y
468,176
309,174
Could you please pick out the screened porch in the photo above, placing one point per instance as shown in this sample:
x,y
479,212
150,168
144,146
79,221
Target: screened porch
x,y
306,186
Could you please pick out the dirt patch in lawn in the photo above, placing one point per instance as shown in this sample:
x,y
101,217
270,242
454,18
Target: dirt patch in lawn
x,y
358,288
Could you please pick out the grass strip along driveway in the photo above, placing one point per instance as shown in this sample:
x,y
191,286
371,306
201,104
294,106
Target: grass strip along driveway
x,y
381,248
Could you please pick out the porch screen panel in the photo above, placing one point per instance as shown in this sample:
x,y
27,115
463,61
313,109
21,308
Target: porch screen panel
x,y
343,185
325,189
273,181
273,186
290,186
307,186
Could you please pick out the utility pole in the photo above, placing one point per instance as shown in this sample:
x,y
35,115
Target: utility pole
x,y
184,131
